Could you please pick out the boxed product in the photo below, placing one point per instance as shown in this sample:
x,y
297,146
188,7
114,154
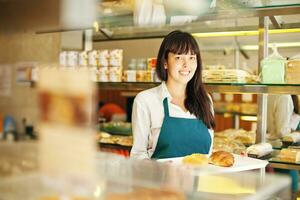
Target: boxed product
x,y
273,68
293,70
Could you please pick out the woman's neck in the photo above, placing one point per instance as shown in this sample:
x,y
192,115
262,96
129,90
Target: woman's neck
x,y
177,91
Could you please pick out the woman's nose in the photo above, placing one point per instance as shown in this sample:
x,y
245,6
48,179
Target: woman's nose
x,y
185,61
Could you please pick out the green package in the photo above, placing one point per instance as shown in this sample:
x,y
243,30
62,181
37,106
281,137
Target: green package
x,y
273,70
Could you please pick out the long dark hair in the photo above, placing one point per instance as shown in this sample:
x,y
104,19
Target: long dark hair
x,y
197,100
295,103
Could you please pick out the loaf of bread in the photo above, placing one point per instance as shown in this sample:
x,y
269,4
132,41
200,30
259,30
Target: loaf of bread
x,y
259,150
289,155
195,159
222,158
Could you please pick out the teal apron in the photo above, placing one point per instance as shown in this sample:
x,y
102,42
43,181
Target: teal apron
x,y
181,136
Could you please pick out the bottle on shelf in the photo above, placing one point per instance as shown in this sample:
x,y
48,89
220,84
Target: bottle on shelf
x,y
130,73
141,70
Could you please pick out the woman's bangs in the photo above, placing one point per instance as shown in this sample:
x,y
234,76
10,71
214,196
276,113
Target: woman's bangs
x,y
183,46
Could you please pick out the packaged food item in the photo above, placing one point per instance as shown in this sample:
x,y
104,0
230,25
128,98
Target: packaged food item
x,y
103,57
83,59
130,73
93,58
222,159
227,76
72,59
293,70
103,74
273,68
116,58
259,150
195,159
141,70
63,58
115,74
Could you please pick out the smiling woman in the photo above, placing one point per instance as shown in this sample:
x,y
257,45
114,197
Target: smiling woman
x,y
176,118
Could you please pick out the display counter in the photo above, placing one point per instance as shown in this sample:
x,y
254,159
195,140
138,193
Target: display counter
x,y
120,178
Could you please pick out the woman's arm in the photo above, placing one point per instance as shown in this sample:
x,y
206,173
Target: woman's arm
x,y
140,129
284,111
211,131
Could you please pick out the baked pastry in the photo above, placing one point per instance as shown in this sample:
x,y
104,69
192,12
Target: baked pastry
x,y
259,150
195,159
289,155
222,158
291,137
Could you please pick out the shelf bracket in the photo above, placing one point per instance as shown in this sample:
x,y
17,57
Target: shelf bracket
x,y
262,98
275,22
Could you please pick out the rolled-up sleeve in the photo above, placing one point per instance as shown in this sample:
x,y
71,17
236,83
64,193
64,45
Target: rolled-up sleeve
x,y
140,129
284,111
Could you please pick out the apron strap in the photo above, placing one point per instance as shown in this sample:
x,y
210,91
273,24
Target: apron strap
x,y
166,107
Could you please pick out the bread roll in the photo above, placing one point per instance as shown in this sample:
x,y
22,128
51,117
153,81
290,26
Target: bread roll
x,y
222,158
195,159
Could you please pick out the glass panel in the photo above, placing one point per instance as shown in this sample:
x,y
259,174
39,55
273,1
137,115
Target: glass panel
x,y
274,3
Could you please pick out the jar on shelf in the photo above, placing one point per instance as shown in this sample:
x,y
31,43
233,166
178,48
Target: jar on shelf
x,y
130,73
141,70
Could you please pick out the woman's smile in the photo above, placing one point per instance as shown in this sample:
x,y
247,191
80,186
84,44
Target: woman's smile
x,y
184,72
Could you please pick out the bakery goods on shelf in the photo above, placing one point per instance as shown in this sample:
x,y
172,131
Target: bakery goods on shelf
x,y
195,159
228,145
228,76
233,140
107,138
259,150
237,135
293,137
222,159
289,155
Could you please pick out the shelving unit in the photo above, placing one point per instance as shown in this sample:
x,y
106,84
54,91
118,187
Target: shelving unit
x,y
263,13
237,88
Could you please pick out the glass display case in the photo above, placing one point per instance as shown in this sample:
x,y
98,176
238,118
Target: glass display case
x,y
120,178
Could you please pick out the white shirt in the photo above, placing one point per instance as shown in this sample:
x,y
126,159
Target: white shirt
x,y
147,119
280,111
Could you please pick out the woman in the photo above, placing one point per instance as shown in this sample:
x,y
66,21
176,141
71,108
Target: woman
x,y
176,118
282,119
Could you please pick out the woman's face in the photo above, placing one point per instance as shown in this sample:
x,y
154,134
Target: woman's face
x,y
181,67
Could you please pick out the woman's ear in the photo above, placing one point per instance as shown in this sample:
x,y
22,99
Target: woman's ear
x,y
165,66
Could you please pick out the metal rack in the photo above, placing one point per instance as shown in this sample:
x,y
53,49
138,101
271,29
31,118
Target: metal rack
x,y
264,14
237,88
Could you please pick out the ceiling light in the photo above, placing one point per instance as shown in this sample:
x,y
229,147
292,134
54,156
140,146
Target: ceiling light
x,y
279,45
244,33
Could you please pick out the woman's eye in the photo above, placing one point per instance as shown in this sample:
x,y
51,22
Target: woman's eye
x,y
192,58
177,57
